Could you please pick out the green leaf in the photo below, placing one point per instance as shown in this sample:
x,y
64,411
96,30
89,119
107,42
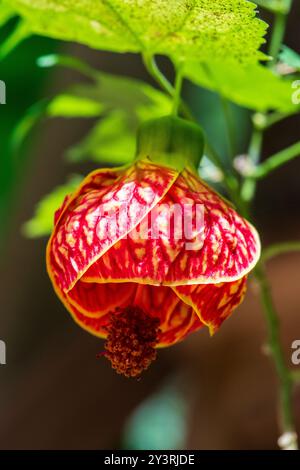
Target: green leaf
x,y
25,125
124,103
41,223
111,141
69,105
252,86
195,29
129,101
290,58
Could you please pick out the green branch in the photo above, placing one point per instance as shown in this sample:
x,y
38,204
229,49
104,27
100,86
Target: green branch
x,y
277,37
278,32
262,121
249,185
157,75
279,249
276,161
285,379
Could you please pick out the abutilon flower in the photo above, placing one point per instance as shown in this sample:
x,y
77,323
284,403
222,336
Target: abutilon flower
x,y
124,263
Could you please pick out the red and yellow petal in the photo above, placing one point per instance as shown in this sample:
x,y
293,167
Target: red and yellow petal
x,y
213,302
108,204
177,318
186,280
95,300
223,248
230,244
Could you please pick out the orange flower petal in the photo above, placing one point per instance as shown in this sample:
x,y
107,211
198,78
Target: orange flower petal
x,y
91,305
84,229
213,302
95,300
223,249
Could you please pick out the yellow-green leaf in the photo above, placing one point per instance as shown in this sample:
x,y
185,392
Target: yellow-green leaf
x,y
252,86
69,105
110,142
197,29
41,223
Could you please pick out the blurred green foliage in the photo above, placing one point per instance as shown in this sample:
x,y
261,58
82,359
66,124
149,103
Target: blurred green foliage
x,y
41,224
24,85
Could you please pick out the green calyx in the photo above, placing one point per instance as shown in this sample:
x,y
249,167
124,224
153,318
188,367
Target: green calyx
x,y
171,141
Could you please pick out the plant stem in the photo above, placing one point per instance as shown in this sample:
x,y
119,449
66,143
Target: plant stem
x,y
271,316
278,32
231,183
279,249
277,37
285,380
254,152
177,90
156,74
276,161
230,127
265,121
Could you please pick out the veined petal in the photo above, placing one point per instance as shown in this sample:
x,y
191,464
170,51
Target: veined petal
x,y
177,318
108,204
95,300
230,245
163,250
213,302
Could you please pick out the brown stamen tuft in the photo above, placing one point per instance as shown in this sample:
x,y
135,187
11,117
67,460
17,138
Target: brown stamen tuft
x,y
132,335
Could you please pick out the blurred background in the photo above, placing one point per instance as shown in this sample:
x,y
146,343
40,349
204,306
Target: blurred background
x,y
204,393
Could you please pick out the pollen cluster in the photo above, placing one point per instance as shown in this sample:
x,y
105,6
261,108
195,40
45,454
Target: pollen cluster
x,y
132,336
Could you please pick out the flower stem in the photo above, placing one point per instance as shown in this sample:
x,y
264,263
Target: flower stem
x,y
231,183
156,74
284,375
